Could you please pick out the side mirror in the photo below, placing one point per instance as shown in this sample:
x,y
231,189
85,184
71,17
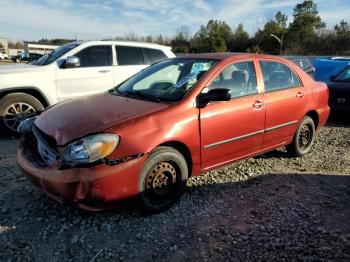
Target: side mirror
x,y
218,94
72,61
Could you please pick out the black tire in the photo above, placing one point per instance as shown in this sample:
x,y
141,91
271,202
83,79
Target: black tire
x,y
303,139
164,165
20,102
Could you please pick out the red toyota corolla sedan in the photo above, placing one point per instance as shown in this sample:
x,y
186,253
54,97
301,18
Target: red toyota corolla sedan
x,y
176,119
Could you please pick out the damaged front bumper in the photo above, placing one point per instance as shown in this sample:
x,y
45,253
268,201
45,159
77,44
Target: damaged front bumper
x,y
93,188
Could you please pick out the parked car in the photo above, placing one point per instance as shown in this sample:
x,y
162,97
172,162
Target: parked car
x,y
73,70
304,63
326,68
176,119
336,73
341,58
26,57
339,92
3,56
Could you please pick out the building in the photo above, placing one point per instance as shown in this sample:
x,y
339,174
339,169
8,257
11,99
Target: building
x,y
38,48
4,45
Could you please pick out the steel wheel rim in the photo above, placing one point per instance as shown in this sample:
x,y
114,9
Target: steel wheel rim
x,y
305,137
161,181
15,113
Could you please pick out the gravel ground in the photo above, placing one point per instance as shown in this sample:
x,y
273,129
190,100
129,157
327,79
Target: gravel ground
x,y
267,208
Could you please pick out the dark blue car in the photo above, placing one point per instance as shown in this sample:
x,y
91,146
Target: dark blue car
x,y
336,73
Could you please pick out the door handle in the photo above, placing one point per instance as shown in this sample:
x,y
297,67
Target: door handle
x,y
104,71
258,104
300,94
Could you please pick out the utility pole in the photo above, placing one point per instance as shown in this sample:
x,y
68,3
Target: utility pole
x,y
280,41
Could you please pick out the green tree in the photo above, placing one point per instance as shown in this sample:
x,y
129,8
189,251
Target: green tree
x,y
180,44
342,37
214,37
271,38
17,45
55,41
240,39
306,23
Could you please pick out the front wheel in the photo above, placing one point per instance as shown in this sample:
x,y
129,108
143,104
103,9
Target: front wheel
x,y
303,139
16,107
163,179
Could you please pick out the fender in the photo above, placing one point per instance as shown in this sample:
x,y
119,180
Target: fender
x,y
47,102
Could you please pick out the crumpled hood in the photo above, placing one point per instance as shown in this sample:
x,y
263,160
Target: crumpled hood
x,y
74,119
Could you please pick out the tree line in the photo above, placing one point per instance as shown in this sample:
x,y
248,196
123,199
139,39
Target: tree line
x,y
306,34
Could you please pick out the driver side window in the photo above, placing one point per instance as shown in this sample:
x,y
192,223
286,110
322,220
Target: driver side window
x,y
95,56
239,78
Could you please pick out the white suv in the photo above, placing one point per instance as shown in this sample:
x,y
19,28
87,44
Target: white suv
x,y
72,70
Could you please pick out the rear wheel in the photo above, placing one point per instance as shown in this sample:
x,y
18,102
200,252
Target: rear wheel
x,y
16,107
303,139
163,179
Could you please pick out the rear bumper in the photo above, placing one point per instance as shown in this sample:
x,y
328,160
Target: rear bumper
x,y
94,189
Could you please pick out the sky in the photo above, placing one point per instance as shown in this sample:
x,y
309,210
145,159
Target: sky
x,y
99,19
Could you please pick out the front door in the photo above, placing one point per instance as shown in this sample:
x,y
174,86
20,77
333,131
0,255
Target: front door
x,y
94,75
233,129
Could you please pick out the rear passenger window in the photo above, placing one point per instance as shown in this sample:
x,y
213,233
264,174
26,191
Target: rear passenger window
x,y
154,55
128,55
278,76
240,78
95,56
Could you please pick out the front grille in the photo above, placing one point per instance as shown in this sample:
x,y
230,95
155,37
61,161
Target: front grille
x,y
41,149
30,145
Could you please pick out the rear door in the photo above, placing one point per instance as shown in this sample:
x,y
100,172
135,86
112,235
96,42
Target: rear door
x,y
94,75
130,60
284,99
232,129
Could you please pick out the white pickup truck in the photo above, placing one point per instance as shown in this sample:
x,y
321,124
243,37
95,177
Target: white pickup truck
x,y
72,70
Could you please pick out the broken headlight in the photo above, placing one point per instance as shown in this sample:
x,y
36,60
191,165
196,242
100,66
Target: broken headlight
x,y
90,149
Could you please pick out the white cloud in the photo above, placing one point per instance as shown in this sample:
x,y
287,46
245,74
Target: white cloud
x,y
47,20
93,19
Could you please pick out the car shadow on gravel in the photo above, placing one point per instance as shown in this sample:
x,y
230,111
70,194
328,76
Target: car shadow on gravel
x,y
270,217
339,120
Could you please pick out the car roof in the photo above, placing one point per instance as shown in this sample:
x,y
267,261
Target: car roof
x,y
223,56
124,43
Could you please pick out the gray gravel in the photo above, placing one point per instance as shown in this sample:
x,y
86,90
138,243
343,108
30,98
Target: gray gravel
x,y
267,208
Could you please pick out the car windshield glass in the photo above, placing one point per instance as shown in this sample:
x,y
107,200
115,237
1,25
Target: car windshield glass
x,y
167,81
55,54
344,76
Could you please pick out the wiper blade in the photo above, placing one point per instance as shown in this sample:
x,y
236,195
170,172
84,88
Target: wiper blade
x,y
118,92
144,95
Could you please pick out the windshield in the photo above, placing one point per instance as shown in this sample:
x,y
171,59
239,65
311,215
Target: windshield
x,y
55,54
167,81
344,76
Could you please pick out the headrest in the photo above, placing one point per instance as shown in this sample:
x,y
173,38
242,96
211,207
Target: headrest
x,y
280,77
240,76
